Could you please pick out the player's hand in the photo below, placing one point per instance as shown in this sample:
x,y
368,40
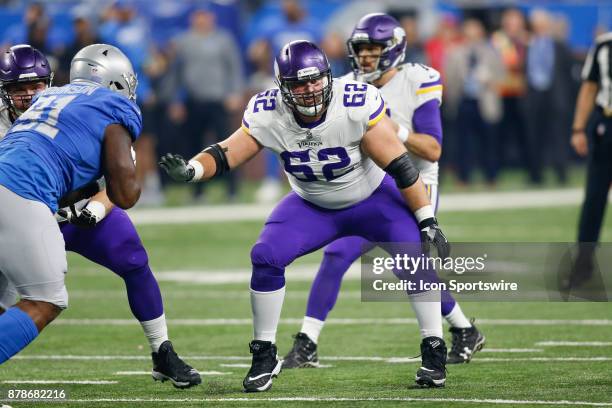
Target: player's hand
x,y
580,143
431,234
84,218
176,167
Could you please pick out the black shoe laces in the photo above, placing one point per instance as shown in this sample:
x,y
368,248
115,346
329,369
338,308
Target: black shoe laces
x,y
301,345
263,360
173,360
460,338
431,359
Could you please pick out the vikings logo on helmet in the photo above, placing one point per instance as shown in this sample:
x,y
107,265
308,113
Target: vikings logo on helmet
x,y
297,63
21,64
381,29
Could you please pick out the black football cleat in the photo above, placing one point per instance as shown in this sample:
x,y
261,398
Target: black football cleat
x,y
466,343
264,367
581,271
432,372
167,365
303,354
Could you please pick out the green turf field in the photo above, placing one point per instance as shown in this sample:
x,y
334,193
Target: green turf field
x,y
366,362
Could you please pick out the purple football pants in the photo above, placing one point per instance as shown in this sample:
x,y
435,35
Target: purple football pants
x,y
297,227
337,259
115,244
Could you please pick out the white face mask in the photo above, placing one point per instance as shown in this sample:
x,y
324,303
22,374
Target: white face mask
x,y
369,77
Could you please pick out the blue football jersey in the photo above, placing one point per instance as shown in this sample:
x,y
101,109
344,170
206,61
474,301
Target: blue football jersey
x,y
56,146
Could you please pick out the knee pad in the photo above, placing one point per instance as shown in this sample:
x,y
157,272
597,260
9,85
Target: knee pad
x,y
128,256
267,274
264,254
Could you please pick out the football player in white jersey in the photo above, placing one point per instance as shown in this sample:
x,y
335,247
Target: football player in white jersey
x,y
413,94
350,175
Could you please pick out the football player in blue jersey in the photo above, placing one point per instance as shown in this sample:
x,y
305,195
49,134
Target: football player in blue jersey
x,y
94,227
70,137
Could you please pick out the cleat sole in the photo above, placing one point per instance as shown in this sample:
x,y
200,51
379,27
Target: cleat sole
x,y
427,382
157,376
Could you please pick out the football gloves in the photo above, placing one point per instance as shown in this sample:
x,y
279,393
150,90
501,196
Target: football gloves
x,y
84,218
431,234
176,167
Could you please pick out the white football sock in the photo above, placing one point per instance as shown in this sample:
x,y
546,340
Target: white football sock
x,y
156,332
457,319
426,306
266,307
312,328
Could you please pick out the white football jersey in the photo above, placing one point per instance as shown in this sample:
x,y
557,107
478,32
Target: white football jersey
x,y
5,120
324,164
412,86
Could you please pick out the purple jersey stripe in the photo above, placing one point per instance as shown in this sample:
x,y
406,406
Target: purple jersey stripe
x,y
426,119
380,108
428,84
245,123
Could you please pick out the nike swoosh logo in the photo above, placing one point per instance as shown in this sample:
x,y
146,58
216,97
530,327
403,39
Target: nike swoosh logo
x,y
258,377
427,369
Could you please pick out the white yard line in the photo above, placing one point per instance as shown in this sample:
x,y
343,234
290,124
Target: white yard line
x,y
332,321
334,399
295,273
511,350
69,357
511,359
87,382
448,202
574,343
149,373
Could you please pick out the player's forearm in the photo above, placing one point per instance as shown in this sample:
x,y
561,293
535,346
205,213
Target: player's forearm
x,y
209,166
103,199
82,193
584,104
424,146
416,196
227,155
125,194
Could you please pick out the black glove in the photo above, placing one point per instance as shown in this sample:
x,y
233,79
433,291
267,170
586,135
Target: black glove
x,y
432,234
176,167
84,218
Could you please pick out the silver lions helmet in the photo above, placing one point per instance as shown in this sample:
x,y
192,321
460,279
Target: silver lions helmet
x,y
105,65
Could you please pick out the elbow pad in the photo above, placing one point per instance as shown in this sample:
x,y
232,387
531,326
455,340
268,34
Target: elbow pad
x,y
218,153
403,171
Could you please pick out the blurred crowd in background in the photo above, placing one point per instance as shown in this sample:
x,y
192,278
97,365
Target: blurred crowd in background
x,y
510,74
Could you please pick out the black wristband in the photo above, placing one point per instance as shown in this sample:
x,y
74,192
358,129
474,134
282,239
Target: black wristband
x,y
428,222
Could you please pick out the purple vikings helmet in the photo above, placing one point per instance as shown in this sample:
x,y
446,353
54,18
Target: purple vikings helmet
x,y
381,29
21,64
299,62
